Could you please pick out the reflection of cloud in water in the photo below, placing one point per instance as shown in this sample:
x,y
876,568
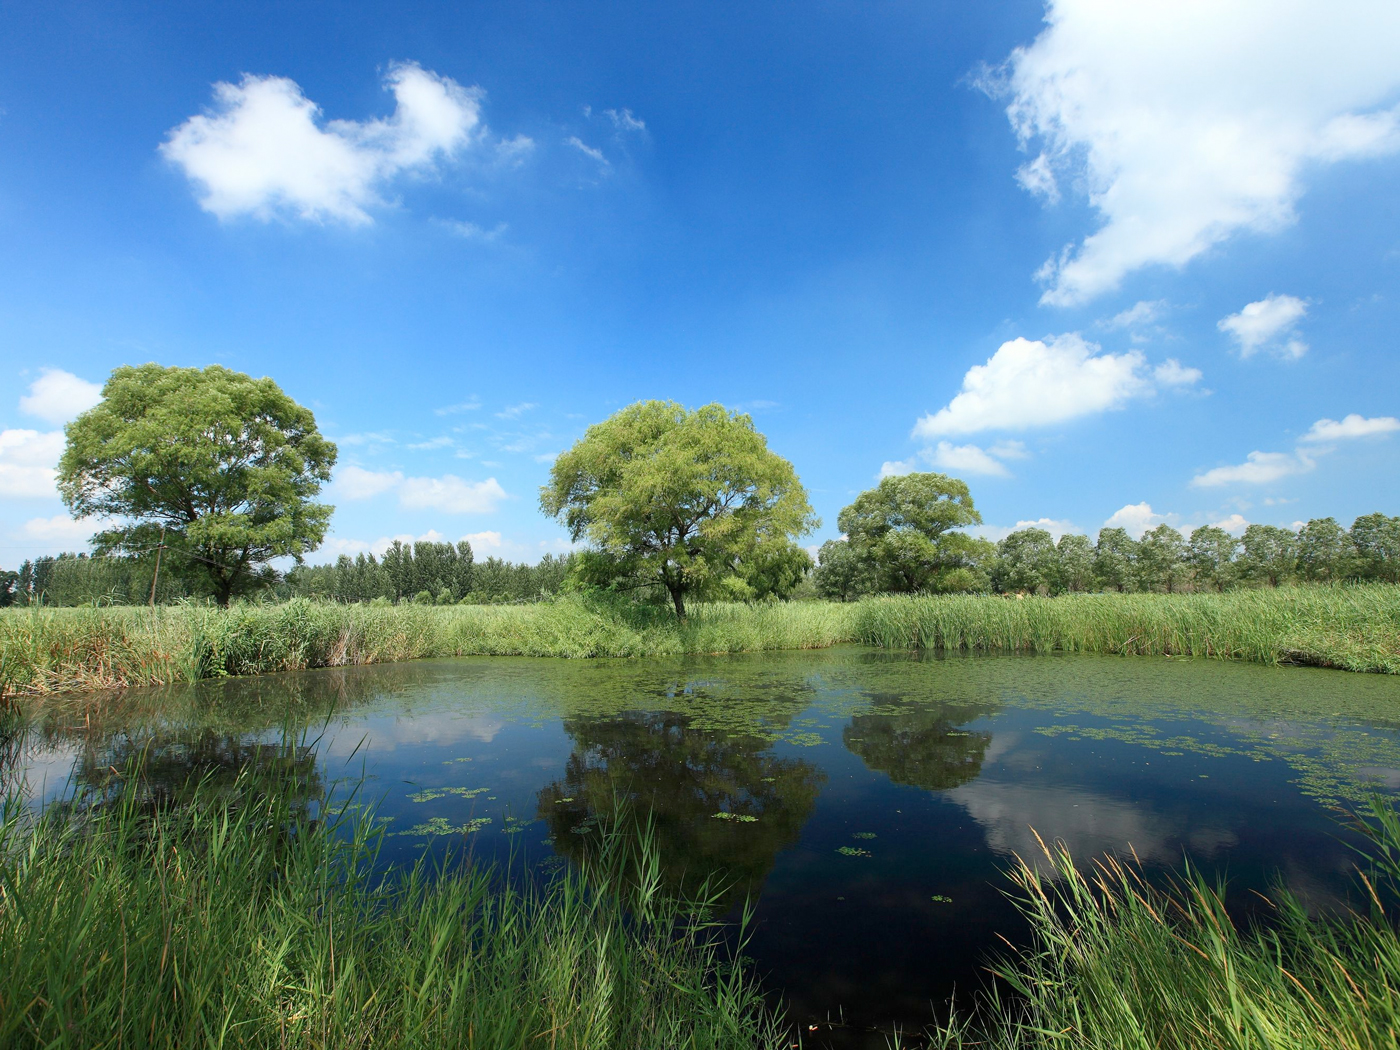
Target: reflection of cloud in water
x,y
1088,823
1381,776
440,730
44,775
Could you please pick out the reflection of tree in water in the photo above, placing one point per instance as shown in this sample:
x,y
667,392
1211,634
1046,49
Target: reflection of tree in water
x,y
921,745
655,762
169,765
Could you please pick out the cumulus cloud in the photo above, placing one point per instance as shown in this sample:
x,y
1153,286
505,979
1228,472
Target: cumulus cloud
x,y
1257,469
357,483
1185,122
58,396
1029,383
1137,518
966,459
1353,426
1057,527
1270,324
1235,524
262,149
451,494
28,459
1172,372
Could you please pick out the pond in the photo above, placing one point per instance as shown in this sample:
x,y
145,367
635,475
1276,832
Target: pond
x,y
868,802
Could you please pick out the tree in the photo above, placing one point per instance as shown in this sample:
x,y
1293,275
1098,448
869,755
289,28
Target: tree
x,y
227,466
1026,561
1161,557
841,574
1323,550
1270,554
1074,570
1115,559
1377,542
1211,554
9,587
906,529
675,498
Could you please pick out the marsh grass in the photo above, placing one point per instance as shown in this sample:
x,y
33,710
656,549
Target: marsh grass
x,y
235,919
1118,962
45,650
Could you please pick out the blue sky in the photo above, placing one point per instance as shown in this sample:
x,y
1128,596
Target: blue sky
x,y
1107,262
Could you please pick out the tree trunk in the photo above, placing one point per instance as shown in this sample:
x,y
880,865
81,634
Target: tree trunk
x,y
678,598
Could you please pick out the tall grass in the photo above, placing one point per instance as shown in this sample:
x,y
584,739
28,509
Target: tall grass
x,y
47,650
1355,628
1118,963
234,920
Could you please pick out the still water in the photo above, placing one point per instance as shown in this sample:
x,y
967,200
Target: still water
x,y
869,802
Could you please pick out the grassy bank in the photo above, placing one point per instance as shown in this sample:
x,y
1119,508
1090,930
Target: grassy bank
x,y
48,650
233,920
1118,963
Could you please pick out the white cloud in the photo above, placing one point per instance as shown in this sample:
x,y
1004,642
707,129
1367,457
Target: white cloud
x,y
488,540
472,232
1270,323
470,405
1029,383
262,149
1057,527
441,441
1009,450
1140,313
28,459
1235,524
623,120
514,411
1184,121
451,494
1172,372
894,468
586,150
63,531
546,457
1137,518
380,437
58,396
967,459
357,483
1257,469
1353,426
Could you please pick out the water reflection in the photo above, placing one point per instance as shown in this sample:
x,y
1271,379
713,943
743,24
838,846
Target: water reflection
x,y
720,803
922,745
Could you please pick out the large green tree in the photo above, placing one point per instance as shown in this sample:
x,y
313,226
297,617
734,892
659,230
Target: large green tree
x,y
676,498
227,465
907,530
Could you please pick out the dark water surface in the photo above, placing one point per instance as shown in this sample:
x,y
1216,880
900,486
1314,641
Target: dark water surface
x,y
868,801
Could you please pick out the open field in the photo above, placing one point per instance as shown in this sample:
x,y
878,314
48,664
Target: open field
x,y
49,650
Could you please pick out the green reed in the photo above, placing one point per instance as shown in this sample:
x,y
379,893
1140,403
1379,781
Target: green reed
x,y
236,919
1117,963
47,650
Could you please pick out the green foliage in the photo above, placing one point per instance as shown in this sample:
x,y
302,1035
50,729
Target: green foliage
x,y
233,918
675,498
1376,539
228,466
1270,554
1210,553
1161,559
1325,552
1074,568
842,574
1114,555
1027,560
907,531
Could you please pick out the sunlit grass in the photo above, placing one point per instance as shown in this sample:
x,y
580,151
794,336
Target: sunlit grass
x,y
235,919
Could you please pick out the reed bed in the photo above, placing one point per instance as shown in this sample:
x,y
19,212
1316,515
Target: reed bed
x,y
1354,628
51,650
235,920
1117,962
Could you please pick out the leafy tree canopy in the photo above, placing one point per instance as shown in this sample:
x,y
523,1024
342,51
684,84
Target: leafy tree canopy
x,y
227,465
905,529
675,497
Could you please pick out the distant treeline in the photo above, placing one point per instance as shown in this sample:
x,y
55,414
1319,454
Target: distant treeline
x,y
424,572
1163,560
